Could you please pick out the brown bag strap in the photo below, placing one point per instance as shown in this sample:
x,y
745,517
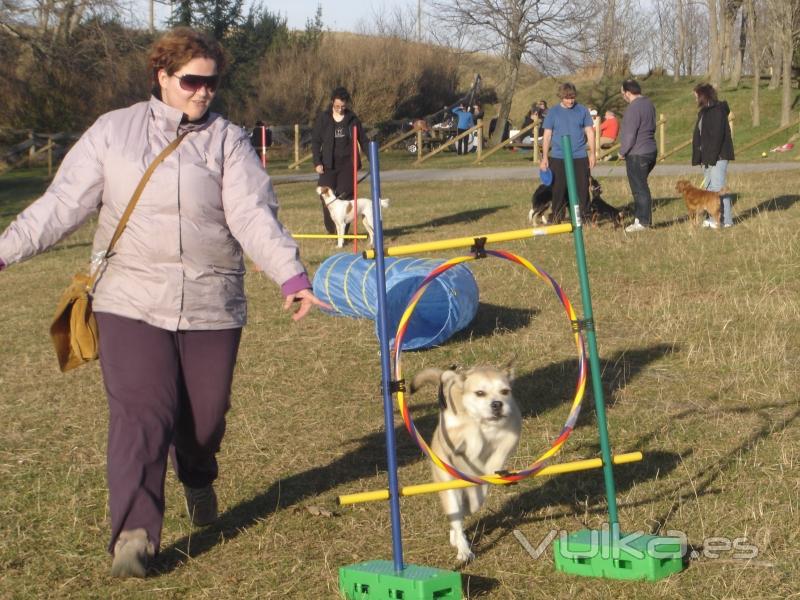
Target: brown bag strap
x,y
140,188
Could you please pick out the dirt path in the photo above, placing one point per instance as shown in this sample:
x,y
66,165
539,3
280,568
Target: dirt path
x,y
529,171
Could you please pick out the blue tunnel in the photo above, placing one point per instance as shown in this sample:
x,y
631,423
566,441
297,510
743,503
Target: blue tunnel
x,y
346,282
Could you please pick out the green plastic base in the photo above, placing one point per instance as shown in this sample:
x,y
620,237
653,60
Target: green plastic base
x,y
377,580
591,554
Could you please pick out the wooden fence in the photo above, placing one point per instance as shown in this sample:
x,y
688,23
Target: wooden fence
x,y
36,145
434,140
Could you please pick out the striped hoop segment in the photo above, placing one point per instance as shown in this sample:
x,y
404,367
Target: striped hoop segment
x,y
575,409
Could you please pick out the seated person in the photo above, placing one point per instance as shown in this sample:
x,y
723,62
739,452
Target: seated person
x,y
541,110
538,110
506,129
609,130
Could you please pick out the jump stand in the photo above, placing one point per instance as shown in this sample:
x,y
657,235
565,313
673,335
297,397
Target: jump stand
x,y
377,580
605,553
593,554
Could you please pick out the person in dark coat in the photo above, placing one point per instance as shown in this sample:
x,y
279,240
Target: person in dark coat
x,y
332,149
506,129
712,146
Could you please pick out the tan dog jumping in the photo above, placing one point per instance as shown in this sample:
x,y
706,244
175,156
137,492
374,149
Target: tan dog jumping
x,y
479,429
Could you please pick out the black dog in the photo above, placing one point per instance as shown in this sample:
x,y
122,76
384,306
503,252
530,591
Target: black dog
x,y
540,203
599,209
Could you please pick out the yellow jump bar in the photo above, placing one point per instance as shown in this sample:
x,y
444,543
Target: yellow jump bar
x,y
326,236
429,488
466,242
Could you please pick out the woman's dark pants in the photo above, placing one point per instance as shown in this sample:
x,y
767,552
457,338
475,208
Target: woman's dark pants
x,y
340,180
168,392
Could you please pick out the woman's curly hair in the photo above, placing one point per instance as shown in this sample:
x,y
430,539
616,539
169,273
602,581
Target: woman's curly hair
x,y
180,45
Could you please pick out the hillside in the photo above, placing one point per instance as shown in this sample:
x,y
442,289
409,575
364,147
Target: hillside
x,y
469,64
490,69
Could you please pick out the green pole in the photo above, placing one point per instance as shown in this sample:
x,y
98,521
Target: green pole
x,y
594,361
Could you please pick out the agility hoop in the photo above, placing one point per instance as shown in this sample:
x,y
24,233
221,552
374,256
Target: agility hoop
x,y
506,476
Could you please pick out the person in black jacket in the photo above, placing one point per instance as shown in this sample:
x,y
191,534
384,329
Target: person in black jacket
x,y
332,149
712,146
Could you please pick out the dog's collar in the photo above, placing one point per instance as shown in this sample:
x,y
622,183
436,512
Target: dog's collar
x,y
335,198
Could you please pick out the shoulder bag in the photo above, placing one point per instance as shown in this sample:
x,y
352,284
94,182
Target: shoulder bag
x,y
74,328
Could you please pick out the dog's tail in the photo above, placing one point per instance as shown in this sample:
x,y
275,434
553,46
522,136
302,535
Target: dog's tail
x,y
425,377
724,192
384,203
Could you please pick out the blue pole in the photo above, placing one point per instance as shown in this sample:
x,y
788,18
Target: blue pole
x,y
386,371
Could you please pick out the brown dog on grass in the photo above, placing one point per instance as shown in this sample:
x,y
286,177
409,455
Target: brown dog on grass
x,y
698,200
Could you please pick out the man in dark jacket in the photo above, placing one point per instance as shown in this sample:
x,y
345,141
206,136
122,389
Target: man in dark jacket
x,y
638,148
332,149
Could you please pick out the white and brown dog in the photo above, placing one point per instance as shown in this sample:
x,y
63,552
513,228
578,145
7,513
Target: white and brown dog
x,y
342,213
479,429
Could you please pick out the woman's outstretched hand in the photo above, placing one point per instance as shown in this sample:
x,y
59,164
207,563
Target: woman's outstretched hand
x,y
307,299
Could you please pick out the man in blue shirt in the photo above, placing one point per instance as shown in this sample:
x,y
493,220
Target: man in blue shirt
x,y
465,122
572,119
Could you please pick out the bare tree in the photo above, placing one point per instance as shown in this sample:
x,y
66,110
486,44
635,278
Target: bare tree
x,y
398,22
738,60
624,42
790,10
755,61
698,44
715,42
729,12
785,15
544,31
679,61
776,56
46,25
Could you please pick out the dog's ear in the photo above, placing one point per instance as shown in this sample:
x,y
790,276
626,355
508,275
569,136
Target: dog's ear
x,y
441,398
451,390
508,368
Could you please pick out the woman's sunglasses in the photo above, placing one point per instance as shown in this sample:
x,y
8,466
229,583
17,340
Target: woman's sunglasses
x,y
193,83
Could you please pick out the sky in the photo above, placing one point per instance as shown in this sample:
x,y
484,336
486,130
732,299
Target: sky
x,y
337,15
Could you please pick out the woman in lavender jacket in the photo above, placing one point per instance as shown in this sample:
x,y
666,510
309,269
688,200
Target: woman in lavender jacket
x,y
170,301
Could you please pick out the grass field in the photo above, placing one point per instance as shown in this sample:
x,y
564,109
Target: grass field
x,y
698,334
